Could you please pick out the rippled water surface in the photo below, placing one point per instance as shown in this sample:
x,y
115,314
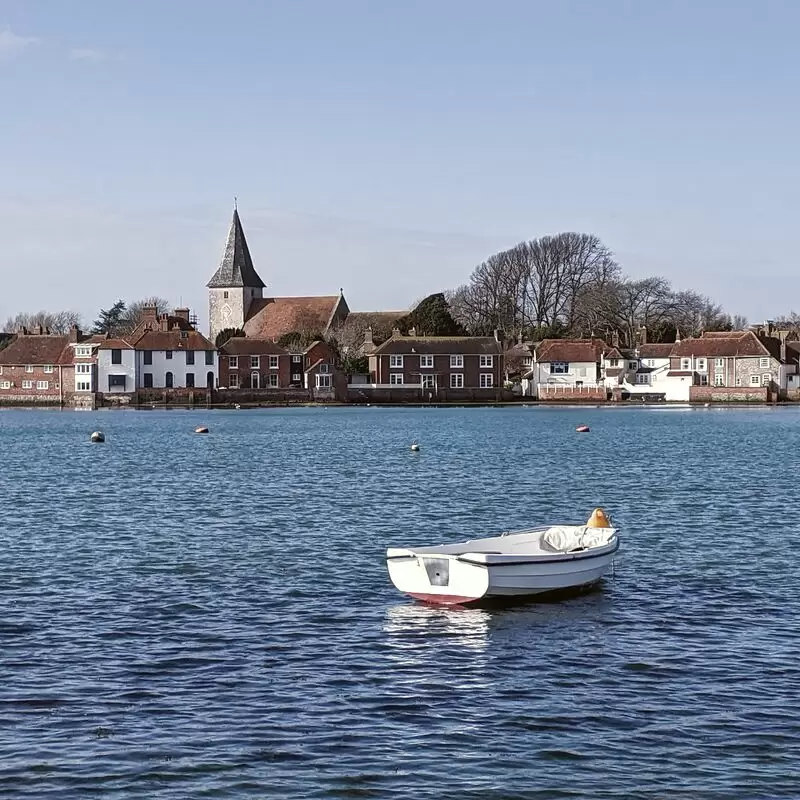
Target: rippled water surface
x,y
189,616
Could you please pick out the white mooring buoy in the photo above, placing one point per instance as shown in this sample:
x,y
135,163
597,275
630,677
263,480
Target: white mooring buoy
x,y
97,436
414,447
201,429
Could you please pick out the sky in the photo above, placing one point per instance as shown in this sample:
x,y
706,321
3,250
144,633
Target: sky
x,y
388,148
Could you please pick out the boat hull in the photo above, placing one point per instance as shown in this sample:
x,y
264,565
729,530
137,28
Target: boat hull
x,y
464,580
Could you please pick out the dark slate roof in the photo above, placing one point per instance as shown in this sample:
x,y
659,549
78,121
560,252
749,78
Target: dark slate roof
x,y
236,267
440,345
239,346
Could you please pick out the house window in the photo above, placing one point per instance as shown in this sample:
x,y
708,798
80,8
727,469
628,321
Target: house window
x,y
686,364
116,356
42,384
766,379
5,384
225,295
738,381
27,384
719,379
632,365
701,365
487,380
168,380
168,354
651,362
456,380
83,369
255,362
297,359
324,368
323,381
83,352
29,368
426,362
233,362
209,358
457,362
396,378
704,380
48,367
148,380
487,362
613,362
148,356
763,363
116,381
719,362
560,367
755,380
254,380
643,378
190,380
273,362
428,382
233,381
273,381
190,357
396,362
296,377
528,361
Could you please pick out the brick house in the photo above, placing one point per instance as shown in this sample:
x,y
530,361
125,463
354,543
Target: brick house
x,y
323,378
36,368
246,363
436,368
732,365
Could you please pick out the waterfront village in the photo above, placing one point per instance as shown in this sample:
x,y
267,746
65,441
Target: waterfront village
x,y
262,350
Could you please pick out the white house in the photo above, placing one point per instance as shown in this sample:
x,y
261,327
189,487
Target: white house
x,y
568,365
650,376
163,352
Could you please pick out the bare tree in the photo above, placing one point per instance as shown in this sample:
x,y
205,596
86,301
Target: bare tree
x,y
58,322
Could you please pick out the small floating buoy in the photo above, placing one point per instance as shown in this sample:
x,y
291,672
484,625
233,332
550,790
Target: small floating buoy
x,y
707,405
237,406
582,429
201,429
97,436
414,447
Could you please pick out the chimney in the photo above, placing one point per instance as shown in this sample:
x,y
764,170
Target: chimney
x,y
677,336
181,313
22,331
643,335
615,339
395,333
783,349
412,331
498,335
75,334
150,314
38,330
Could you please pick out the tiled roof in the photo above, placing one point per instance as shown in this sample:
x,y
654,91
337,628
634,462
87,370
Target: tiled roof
x,y
35,350
273,317
740,343
173,340
239,346
440,345
571,350
236,267
656,350
116,343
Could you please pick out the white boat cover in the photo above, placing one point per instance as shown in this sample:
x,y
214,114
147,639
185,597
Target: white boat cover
x,y
566,538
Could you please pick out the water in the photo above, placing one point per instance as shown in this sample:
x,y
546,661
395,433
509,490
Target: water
x,y
210,616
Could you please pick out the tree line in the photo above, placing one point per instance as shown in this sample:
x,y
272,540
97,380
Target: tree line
x,y
571,285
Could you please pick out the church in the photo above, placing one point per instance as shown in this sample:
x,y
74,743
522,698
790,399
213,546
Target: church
x,y
236,299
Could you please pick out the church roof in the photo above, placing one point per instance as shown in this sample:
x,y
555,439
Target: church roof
x,y
236,267
272,317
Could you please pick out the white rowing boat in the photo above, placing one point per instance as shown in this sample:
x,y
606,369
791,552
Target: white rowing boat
x,y
541,560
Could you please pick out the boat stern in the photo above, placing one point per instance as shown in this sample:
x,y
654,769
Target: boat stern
x,y
436,578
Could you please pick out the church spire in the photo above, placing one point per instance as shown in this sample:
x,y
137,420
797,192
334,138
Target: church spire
x,y
236,268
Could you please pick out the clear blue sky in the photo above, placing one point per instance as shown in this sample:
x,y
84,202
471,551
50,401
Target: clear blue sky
x,y
387,148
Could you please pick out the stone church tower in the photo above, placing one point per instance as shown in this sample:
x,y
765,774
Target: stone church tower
x,y
235,284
